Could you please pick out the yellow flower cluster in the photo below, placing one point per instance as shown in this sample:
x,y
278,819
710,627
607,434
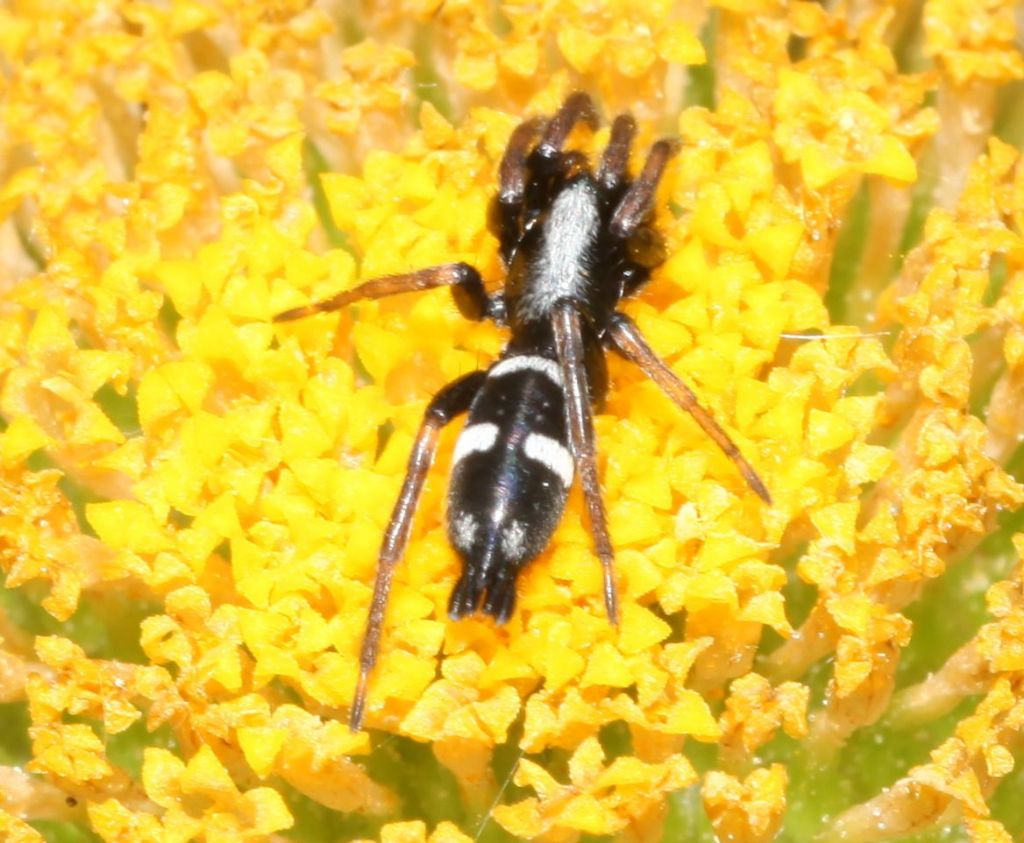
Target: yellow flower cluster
x,y
598,799
175,174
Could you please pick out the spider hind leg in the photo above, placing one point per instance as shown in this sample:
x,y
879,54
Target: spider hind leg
x,y
626,338
569,344
451,401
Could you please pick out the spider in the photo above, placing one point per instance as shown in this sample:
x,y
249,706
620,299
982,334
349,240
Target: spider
x,y
575,241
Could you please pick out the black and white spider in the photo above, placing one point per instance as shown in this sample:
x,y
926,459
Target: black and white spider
x,y
574,242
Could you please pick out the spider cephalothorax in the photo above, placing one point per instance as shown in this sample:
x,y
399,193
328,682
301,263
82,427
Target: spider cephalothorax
x,y
575,240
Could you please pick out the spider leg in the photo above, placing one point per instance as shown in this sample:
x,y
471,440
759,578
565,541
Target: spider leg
x,y
612,172
507,209
466,285
512,170
454,399
578,106
637,202
628,340
580,423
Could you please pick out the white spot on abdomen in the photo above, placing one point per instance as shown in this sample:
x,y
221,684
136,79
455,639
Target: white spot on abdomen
x,y
552,454
473,439
464,528
562,266
513,540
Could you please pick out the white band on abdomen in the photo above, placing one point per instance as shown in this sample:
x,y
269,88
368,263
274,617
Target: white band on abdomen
x,y
552,454
527,363
473,439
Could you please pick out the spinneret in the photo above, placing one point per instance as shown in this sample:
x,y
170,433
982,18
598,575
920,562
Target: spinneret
x,y
574,243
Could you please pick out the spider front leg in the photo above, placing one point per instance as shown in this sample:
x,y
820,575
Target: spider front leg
x,y
506,221
627,339
451,401
635,206
576,108
466,285
580,423
612,173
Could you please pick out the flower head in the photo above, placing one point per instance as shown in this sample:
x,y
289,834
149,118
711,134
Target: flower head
x,y
192,497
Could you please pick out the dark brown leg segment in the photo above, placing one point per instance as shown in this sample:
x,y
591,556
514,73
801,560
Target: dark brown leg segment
x,y
578,106
507,208
512,171
630,342
636,205
448,403
615,160
580,422
465,282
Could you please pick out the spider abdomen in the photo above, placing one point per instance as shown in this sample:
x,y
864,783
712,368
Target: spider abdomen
x,y
512,471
